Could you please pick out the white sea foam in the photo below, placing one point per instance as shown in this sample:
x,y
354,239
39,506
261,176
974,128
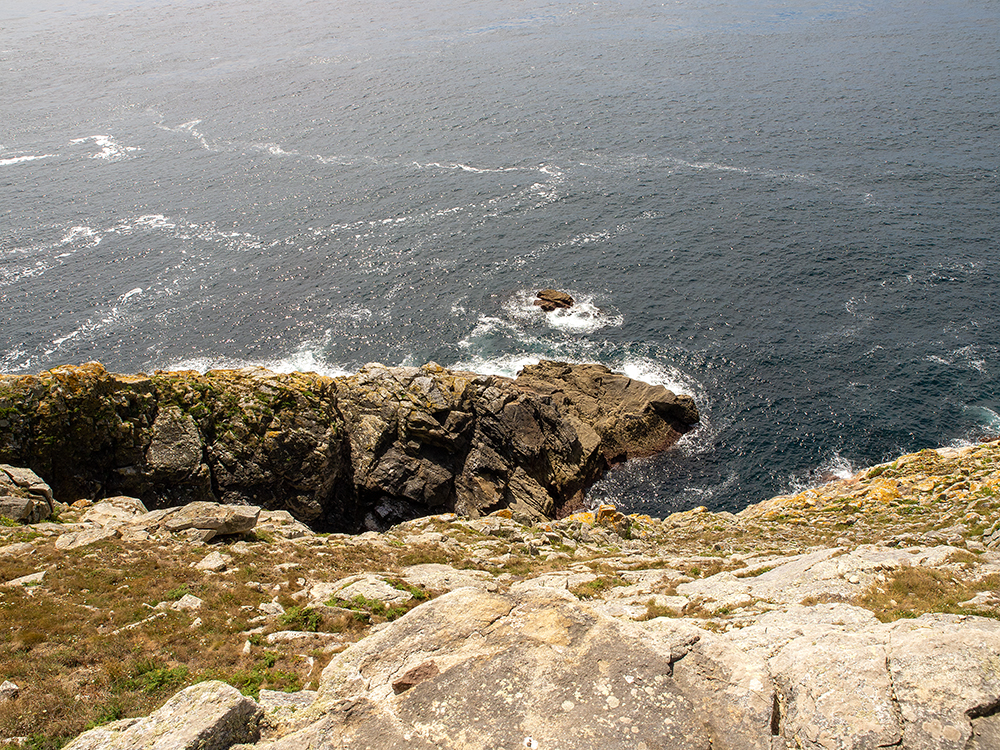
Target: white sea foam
x,y
190,128
834,467
583,317
82,235
20,159
111,150
301,360
966,356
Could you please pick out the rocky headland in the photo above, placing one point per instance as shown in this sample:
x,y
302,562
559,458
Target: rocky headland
x,y
341,454
859,614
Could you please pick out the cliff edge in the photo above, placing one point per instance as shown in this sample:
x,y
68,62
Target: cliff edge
x,y
343,454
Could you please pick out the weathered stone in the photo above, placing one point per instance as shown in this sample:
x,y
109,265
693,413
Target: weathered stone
x,y
76,539
8,691
222,519
944,674
837,692
280,706
15,549
206,716
415,676
215,562
368,586
437,577
187,603
32,579
114,512
306,639
550,670
21,509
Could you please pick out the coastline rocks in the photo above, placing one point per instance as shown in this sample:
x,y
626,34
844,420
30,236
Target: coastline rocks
x,y
359,452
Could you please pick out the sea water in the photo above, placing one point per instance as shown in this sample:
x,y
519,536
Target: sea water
x,y
788,209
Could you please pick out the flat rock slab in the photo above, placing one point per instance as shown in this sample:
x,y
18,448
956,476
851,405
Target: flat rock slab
x,y
368,586
76,539
222,519
437,577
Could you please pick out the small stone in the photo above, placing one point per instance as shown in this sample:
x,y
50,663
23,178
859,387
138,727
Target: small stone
x,y
76,539
32,579
214,562
187,602
8,691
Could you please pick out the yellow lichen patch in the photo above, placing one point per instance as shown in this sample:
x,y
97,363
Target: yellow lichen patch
x,y
882,491
586,517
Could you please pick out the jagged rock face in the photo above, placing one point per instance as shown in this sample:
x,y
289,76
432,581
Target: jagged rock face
x,y
364,451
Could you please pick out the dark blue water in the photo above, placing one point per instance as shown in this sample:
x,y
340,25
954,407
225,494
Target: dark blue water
x,y
788,209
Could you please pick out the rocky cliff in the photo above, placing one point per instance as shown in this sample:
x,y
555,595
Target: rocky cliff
x,y
345,454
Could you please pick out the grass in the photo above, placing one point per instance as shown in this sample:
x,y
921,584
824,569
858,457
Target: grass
x,y
912,591
301,618
593,589
66,645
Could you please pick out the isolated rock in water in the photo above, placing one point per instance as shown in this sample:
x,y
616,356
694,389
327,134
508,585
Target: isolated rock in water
x,y
206,716
552,299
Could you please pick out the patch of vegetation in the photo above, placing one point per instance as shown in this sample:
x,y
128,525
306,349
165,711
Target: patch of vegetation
x,y
301,618
913,591
593,589
177,593
414,591
375,609
653,610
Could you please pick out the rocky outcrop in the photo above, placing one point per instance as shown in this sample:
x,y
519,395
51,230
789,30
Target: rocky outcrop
x,y
24,496
364,451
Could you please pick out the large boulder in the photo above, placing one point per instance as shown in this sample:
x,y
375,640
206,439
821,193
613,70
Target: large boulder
x,y
206,716
476,670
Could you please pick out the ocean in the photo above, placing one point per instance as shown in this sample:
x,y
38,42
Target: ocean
x,y
787,208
